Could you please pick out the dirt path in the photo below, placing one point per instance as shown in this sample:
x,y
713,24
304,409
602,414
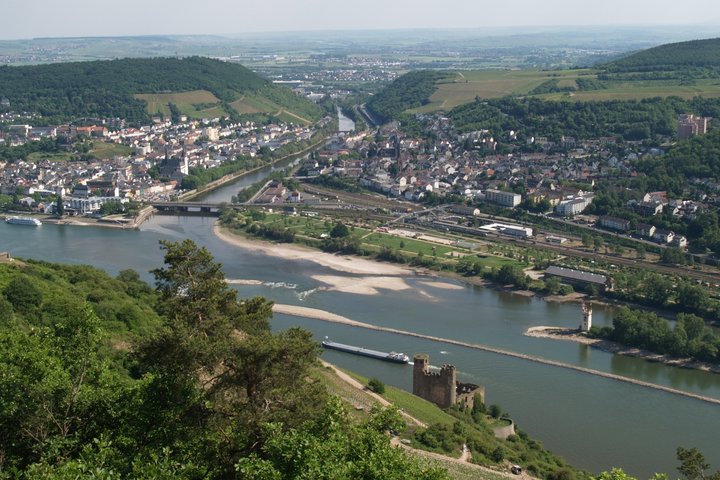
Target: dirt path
x,y
351,381
463,459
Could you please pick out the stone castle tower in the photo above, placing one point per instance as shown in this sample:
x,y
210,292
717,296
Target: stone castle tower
x,y
442,388
438,388
587,318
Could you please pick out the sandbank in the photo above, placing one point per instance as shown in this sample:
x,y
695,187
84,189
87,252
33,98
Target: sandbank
x,y
362,285
441,285
242,281
340,263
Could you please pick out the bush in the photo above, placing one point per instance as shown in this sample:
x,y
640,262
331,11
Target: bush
x,y
494,411
376,386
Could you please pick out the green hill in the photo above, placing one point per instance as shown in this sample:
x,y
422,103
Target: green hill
x,y
672,57
136,88
408,91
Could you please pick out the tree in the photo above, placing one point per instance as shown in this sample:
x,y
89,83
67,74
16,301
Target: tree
x,y
597,243
692,298
657,289
339,230
54,385
23,294
693,465
672,256
59,206
332,447
552,285
586,240
194,292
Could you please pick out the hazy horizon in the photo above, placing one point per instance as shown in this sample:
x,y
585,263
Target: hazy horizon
x,y
52,19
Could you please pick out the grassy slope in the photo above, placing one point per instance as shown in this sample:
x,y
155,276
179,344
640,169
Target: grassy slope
x,y
674,58
415,406
496,84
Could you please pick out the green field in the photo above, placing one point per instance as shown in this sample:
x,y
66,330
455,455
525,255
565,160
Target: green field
x,y
100,150
103,150
203,104
310,229
248,104
467,85
195,104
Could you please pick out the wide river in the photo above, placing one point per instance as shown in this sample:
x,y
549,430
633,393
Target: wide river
x,y
595,423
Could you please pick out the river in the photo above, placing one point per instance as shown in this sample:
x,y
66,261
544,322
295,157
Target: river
x,y
595,423
345,124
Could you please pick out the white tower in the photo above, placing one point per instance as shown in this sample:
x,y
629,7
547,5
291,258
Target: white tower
x,y
587,318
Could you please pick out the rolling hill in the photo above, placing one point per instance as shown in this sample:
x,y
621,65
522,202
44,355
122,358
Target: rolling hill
x,y
136,88
686,70
671,57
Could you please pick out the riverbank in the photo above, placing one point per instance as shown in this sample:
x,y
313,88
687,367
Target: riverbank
x,y
573,335
111,221
379,275
232,177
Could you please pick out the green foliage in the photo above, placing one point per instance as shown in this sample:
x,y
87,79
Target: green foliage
x,y
347,184
633,120
693,465
409,91
332,448
508,275
551,86
697,157
23,294
672,57
339,230
377,386
213,393
107,88
690,337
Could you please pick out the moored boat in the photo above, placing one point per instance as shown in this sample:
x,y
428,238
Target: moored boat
x,y
23,221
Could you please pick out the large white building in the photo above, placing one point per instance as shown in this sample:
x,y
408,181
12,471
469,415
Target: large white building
x,y
506,199
574,206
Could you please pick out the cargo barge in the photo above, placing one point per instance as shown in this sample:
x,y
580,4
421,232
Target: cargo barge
x,y
365,352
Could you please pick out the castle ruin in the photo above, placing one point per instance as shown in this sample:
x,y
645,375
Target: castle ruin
x,y
442,388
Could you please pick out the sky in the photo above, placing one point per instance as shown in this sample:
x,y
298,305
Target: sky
x,y
22,19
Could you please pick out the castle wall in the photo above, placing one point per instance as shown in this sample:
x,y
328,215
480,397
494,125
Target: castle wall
x,y
438,388
442,388
466,392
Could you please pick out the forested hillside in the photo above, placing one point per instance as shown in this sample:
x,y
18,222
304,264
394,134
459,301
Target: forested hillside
x,y
409,91
107,88
97,384
673,56
633,120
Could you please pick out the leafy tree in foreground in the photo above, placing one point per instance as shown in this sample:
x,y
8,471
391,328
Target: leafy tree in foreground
x,y
332,448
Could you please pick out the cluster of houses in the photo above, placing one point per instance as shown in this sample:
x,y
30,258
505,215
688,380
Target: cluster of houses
x,y
468,165
161,155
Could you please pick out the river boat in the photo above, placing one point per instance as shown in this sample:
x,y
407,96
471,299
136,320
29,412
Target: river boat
x,y
393,357
23,221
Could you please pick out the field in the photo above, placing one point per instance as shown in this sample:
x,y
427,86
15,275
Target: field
x,y
203,104
440,247
195,104
101,150
251,104
646,89
467,85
